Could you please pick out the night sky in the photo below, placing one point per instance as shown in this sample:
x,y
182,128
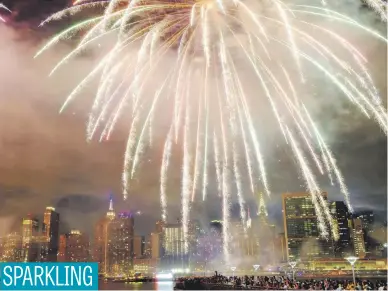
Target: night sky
x,y
45,160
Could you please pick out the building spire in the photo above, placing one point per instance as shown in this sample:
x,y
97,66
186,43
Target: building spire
x,y
262,209
111,213
111,203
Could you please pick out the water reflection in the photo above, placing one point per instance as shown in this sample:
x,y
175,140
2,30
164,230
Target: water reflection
x,y
136,286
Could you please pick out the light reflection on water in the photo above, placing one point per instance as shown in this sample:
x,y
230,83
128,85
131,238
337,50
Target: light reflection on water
x,y
136,286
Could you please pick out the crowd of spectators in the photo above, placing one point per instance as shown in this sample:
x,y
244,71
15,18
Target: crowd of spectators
x,y
219,282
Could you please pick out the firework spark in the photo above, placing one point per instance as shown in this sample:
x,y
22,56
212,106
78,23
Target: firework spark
x,y
204,85
2,6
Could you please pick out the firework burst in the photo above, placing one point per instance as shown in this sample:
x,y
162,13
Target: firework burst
x,y
210,107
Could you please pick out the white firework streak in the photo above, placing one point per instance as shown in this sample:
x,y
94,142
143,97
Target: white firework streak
x,y
309,184
205,157
128,155
2,6
290,34
146,32
226,205
242,128
217,163
186,179
225,166
237,175
198,149
163,174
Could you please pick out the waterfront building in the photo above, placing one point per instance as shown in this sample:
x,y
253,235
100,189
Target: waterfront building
x,y
51,233
11,248
76,246
301,228
138,246
357,234
341,216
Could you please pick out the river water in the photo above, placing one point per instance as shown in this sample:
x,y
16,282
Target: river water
x,y
136,286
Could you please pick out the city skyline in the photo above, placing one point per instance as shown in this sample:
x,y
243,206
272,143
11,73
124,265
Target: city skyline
x,y
119,250
76,177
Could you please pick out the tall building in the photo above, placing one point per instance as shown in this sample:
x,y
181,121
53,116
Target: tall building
x,y
148,248
341,216
244,243
367,220
99,243
51,232
30,247
101,239
173,240
76,247
358,238
138,246
119,248
263,233
156,245
175,253
11,248
301,228
30,229
62,248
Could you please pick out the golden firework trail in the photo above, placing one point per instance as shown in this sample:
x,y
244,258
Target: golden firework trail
x,y
186,61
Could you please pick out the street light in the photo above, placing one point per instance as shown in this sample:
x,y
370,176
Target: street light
x,y
352,260
233,269
292,264
256,267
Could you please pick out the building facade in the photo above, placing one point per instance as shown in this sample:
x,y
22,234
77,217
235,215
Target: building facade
x,y
367,219
11,248
119,247
76,246
174,251
30,245
301,228
138,246
51,233
357,233
341,217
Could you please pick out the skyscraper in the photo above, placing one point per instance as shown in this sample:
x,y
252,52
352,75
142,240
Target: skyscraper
x,y
358,238
175,253
101,239
51,232
244,243
119,252
367,220
62,248
341,216
156,245
30,247
138,246
11,248
263,233
301,228
77,247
